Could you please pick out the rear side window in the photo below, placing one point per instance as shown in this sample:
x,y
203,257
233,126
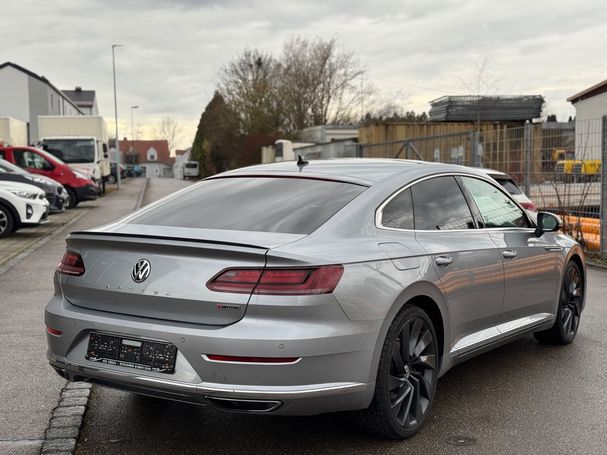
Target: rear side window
x,y
439,204
398,213
266,204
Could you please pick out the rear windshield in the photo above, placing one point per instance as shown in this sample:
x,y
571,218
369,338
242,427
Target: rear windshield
x,y
266,204
509,185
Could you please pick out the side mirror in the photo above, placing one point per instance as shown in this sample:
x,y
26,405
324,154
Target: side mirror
x,y
547,222
47,166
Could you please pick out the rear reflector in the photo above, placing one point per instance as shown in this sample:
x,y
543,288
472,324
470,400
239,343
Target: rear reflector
x,y
54,331
309,281
236,358
71,264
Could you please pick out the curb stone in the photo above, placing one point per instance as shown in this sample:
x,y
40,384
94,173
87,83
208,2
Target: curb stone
x,y
62,434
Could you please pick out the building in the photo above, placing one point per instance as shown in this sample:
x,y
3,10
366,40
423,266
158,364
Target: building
x,y
24,95
590,107
86,100
153,156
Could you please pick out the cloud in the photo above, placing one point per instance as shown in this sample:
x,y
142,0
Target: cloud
x,y
174,49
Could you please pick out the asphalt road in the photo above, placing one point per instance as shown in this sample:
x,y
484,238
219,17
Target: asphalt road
x,y
523,398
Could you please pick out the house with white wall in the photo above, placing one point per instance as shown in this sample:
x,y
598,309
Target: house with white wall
x,y
590,108
25,95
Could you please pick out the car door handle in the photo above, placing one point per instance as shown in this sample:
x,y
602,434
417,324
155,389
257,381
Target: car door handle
x,y
443,260
509,254
553,247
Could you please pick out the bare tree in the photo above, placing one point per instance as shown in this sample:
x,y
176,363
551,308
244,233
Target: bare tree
x,y
319,83
249,84
168,129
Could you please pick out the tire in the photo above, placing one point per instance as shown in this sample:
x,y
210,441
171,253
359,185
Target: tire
x,y
569,311
406,380
73,199
111,179
7,222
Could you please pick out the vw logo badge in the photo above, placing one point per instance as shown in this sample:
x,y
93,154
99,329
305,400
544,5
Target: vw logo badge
x,y
141,271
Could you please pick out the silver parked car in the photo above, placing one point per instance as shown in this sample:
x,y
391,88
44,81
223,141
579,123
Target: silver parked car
x,y
304,288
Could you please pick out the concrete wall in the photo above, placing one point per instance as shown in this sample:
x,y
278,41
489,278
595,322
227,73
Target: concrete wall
x,y
588,126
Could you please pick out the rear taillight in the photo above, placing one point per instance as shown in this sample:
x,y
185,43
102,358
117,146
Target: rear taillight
x,y
71,264
318,280
529,206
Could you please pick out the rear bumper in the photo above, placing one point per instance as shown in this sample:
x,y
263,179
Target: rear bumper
x,y
334,373
87,193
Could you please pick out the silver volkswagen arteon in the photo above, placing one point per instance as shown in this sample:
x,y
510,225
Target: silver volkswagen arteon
x,y
304,288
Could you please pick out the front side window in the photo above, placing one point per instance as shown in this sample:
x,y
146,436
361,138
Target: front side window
x,y
496,209
29,160
398,213
439,204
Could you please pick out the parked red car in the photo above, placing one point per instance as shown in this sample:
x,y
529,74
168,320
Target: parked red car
x,y
78,186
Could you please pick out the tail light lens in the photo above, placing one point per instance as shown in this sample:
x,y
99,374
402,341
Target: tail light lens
x,y
309,281
71,264
529,206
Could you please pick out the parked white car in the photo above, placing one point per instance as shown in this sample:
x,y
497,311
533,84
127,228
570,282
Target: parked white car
x,y
21,205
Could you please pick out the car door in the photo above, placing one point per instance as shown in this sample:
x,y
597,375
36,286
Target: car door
x,y
530,263
465,258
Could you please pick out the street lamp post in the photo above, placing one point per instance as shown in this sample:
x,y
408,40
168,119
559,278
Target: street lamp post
x,y
132,129
116,143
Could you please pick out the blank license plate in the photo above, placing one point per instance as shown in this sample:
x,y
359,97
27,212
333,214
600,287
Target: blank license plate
x,y
131,352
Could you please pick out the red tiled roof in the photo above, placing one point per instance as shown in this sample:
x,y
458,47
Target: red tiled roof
x,y
141,147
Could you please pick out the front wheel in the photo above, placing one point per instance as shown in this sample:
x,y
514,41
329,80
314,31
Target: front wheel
x,y
406,377
72,198
571,299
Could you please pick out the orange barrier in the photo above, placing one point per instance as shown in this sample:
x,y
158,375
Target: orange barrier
x,y
586,229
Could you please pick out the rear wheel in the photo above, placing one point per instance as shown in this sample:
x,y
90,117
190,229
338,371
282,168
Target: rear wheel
x,y
406,377
571,299
72,198
7,222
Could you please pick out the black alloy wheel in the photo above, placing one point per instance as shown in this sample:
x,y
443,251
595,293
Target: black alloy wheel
x,y
571,300
407,375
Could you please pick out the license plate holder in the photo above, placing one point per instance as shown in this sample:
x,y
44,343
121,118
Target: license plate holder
x,y
131,352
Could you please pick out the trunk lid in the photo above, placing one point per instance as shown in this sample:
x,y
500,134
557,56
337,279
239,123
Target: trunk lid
x,y
180,267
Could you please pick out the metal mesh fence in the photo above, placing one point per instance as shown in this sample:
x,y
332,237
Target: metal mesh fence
x,y
557,165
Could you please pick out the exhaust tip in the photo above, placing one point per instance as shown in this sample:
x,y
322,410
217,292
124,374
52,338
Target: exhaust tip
x,y
238,405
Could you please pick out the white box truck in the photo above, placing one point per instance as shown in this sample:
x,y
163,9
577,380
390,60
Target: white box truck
x,y
13,132
81,141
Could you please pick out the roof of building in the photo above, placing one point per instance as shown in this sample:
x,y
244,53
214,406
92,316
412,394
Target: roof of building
x,y
84,98
141,147
40,78
595,90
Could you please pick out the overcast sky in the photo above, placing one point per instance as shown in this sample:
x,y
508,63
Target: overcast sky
x,y
414,50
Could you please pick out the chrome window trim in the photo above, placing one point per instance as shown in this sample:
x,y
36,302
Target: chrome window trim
x,y
380,209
